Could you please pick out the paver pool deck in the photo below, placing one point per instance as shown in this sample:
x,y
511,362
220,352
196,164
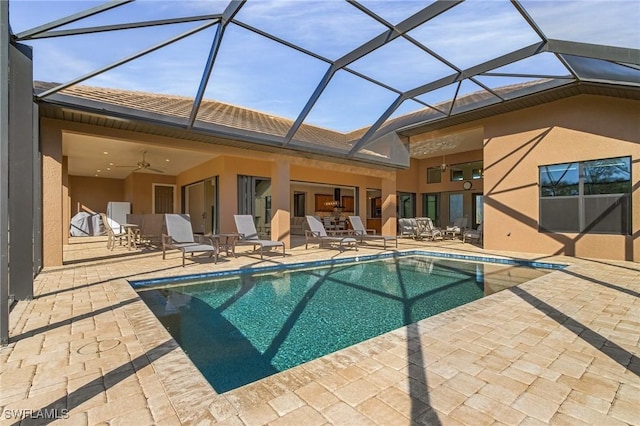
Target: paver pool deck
x,y
560,349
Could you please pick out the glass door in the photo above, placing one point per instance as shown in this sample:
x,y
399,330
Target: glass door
x,y
200,204
478,210
254,198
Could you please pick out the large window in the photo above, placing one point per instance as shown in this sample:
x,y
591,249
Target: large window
x,y
431,207
456,207
406,204
591,196
464,171
434,175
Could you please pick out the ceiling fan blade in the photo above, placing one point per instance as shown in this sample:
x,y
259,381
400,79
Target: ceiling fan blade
x,y
151,169
128,166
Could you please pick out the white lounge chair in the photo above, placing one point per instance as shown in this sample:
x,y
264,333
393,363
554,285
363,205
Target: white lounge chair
x,y
249,235
361,233
407,227
317,233
473,234
457,229
180,236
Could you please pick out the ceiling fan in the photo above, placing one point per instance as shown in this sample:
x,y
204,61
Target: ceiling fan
x,y
144,165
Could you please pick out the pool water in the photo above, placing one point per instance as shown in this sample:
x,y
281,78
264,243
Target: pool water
x,y
241,329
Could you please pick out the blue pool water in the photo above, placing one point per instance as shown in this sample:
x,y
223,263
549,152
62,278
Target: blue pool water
x,y
242,328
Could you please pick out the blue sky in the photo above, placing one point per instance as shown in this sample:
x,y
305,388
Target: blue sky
x,y
254,72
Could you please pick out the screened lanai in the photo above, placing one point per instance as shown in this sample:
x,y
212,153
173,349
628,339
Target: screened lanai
x,y
352,80
339,77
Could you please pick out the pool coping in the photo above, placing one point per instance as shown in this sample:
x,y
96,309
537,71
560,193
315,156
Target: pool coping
x,y
152,282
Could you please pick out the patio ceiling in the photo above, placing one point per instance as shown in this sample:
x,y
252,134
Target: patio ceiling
x,y
344,78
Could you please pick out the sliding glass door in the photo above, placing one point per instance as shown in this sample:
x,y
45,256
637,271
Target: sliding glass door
x,y
254,198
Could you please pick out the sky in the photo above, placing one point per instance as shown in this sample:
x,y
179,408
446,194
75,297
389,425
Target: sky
x,y
257,73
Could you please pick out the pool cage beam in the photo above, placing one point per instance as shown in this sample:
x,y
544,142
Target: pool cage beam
x,y
391,34
124,60
232,9
118,27
453,78
71,18
4,172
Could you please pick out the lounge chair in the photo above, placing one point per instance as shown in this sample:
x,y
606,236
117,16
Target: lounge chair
x,y
318,234
473,234
458,227
180,236
425,229
249,235
113,235
407,227
361,233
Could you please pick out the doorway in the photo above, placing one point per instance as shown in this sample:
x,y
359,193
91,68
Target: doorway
x,y
201,203
163,198
254,198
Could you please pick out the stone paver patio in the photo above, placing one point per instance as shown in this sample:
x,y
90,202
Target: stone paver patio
x,y
560,349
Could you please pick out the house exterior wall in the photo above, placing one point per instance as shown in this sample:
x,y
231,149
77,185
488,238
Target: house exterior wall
x,y
446,186
515,145
52,193
142,183
91,194
574,129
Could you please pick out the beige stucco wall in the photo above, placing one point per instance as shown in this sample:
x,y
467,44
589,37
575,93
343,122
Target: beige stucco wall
x,y
52,193
91,194
142,185
575,129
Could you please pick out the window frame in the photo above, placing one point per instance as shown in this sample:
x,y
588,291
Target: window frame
x,y
582,198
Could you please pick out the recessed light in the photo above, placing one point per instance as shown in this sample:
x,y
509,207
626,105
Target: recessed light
x,y
105,152
96,175
98,170
108,168
111,164
167,160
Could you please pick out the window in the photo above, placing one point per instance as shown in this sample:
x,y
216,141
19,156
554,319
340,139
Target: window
x,y
299,202
590,197
465,171
456,174
434,175
406,204
456,204
430,207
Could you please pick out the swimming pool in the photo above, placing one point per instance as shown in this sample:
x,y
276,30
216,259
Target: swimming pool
x,y
244,327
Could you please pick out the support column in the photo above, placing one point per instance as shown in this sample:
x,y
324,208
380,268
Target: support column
x,y
389,208
51,148
281,202
227,198
66,201
4,172
363,203
21,185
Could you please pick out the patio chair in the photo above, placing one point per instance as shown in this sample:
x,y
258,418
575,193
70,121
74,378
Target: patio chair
x,y
113,235
407,227
473,234
180,236
436,233
458,228
317,234
249,235
361,233
152,228
424,230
